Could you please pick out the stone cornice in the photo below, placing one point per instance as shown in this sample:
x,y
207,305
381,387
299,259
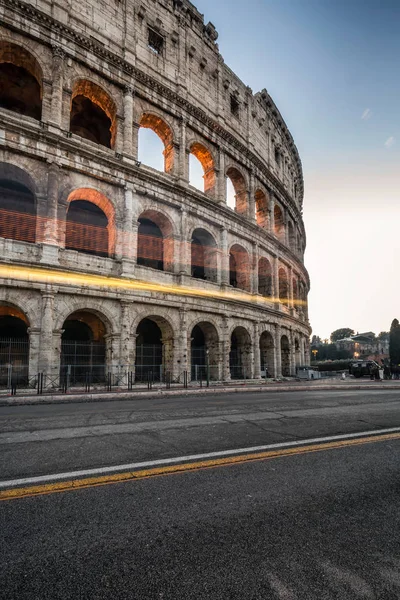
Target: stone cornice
x,y
164,91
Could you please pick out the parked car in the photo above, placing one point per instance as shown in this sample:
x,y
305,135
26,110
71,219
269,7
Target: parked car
x,y
360,368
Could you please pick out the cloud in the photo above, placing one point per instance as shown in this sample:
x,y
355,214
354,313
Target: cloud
x,y
367,114
389,142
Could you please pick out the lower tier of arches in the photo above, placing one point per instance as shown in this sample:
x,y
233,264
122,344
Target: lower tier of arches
x,y
71,337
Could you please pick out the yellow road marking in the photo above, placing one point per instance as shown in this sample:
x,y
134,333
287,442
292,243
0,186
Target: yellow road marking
x,y
66,486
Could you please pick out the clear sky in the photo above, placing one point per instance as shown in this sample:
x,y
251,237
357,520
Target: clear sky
x,y
333,69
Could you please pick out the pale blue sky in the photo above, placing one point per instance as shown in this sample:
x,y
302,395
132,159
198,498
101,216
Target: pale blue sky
x,y
332,68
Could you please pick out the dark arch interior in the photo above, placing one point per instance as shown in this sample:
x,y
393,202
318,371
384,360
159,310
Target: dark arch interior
x,y
198,354
20,91
232,270
203,257
14,349
13,327
86,229
89,121
17,211
238,359
83,349
150,251
285,356
149,351
78,331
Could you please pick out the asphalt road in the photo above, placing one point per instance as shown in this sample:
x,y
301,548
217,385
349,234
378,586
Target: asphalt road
x,y
45,439
321,526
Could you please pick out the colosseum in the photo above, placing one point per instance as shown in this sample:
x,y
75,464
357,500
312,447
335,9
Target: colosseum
x,y
111,266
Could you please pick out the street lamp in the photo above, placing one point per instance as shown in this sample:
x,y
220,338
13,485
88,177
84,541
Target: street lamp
x,y
315,352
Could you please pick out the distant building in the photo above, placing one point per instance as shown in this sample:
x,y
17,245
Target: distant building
x,y
365,345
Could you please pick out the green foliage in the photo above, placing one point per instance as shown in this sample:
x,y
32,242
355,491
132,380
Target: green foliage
x,y
330,352
394,343
383,336
335,365
339,334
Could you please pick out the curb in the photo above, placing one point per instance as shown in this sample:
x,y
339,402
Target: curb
x,y
162,393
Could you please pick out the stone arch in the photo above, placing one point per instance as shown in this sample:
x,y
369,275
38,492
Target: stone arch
x,y
155,241
68,307
161,128
261,202
154,355
93,113
283,285
204,255
21,79
279,223
204,350
239,267
205,158
86,229
264,277
86,351
285,356
240,356
267,354
240,187
18,218
297,352
14,344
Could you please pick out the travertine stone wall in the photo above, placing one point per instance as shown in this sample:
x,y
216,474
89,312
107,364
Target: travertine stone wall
x,y
191,98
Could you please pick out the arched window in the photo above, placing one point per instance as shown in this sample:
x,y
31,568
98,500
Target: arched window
x,y
204,352
154,349
279,223
264,277
238,183
93,114
14,345
283,285
87,228
200,154
240,354
155,241
261,209
156,148
203,255
17,204
239,268
20,81
83,348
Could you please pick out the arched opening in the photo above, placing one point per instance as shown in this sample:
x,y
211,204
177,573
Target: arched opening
x,y
283,286
295,293
285,356
87,228
267,355
240,192
204,352
154,349
240,354
83,349
203,255
20,81
297,351
292,237
202,155
149,146
17,204
155,241
90,223
93,114
239,268
279,223
264,277
261,209
14,346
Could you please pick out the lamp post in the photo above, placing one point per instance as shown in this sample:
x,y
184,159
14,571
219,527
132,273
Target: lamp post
x,y
314,352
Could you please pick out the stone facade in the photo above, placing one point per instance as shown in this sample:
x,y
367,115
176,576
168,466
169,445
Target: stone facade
x,y
152,64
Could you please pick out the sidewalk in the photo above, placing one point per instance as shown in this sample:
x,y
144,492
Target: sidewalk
x,y
233,388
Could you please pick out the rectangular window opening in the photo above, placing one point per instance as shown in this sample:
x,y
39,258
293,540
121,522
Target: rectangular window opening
x,y
155,41
235,106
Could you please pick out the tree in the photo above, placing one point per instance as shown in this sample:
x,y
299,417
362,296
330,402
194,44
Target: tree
x,y
394,343
383,336
339,334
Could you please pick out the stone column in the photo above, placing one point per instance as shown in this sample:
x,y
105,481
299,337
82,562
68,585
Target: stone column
x,y
34,350
128,119
48,223
225,350
135,141
271,210
221,179
127,339
57,86
254,278
256,346
290,275
278,335
119,138
252,198
129,235
182,346
224,257
183,155
286,223
184,247
275,281
46,351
